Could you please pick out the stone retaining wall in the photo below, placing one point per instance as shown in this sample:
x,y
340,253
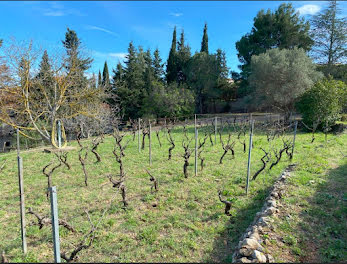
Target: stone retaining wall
x,y
249,249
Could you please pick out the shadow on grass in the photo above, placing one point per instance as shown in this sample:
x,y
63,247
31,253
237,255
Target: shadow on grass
x,y
225,244
323,226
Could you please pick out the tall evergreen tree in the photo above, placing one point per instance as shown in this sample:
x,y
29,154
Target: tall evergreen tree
x,y
45,76
131,91
149,72
158,66
280,29
99,79
72,44
106,77
183,57
118,74
204,42
171,70
329,32
222,68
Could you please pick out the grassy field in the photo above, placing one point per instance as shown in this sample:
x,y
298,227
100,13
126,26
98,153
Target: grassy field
x,y
312,225
183,222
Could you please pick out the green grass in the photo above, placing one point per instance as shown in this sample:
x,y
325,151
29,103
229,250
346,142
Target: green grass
x,y
316,230
187,224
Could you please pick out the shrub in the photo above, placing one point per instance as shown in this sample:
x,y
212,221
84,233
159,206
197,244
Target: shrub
x,y
323,103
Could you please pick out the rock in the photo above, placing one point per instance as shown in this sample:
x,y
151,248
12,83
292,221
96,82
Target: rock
x,y
243,260
260,257
270,211
271,203
258,214
246,252
260,230
275,195
255,236
264,221
269,258
253,244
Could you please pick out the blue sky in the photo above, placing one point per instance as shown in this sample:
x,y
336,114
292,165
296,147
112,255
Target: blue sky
x,y
106,28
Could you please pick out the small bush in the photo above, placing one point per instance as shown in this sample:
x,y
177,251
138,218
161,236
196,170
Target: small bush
x,y
323,103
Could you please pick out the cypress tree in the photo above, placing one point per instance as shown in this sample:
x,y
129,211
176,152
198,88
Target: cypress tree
x,y
204,42
171,71
106,77
99,80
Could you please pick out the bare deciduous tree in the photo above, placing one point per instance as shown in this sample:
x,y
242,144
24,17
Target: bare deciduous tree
x,y
28,104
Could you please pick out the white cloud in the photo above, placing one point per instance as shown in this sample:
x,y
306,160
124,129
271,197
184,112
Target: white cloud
x,y
103,30
57,9
308,9
109,55
119,55
54,13
176,14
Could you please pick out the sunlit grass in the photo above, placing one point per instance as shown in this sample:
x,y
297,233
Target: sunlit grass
x,y
187,224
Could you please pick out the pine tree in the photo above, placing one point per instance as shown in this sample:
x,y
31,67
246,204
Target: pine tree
x,y
171,70
106,77
283,29
330,35
204,42
45,76
222,69
76,63
118,73
149,72
158,66
72,44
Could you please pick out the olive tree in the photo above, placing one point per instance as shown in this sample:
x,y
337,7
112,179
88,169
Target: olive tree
x,y
280,76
